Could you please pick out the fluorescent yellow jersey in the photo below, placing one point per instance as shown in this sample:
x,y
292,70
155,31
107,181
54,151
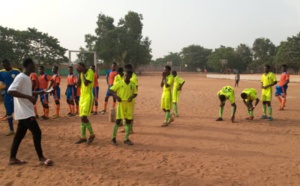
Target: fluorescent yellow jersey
x,y
268,79
124,90
118,78
177,82
251,94
87,90
170,81
228,92
134,79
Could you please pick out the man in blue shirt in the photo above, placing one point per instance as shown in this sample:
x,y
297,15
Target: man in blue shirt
x,y
7,76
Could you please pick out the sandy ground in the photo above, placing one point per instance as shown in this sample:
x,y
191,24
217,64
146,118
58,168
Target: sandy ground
x,y
194,150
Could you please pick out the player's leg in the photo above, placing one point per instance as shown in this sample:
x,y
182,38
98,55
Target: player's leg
x,y
119,118
278,93
166,106
284,94
9,106
264,100
249,109
105,101
20,134
56,96
69,93
128,115
44,98
221,110
96,95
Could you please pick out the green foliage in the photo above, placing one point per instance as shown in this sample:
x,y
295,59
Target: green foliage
x,y
175,58
16,45
123,43
226,53
195,56
264,52
289,53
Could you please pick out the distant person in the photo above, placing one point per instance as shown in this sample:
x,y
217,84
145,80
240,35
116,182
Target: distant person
x,y
166,99
24,99
249,95
43,85
124,91
282,87
55,83
268,80
110,77
95,90
237,79
205,71
7,76
71,91
86,83
177,86
226,93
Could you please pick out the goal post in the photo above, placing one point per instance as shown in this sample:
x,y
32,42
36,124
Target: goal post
x,y
84,52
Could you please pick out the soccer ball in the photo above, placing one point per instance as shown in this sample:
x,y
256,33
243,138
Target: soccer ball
x,y
2,85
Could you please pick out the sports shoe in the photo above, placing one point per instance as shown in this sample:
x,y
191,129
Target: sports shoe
x,y
171,120
114,141
69,114
128,142
103,112
219,119
81,140
270,119
91,139
281,109
94,113
250,118
10,133
165,124
263,117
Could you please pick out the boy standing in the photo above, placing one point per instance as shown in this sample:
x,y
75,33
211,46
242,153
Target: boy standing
x,y
166,98
7,75
43,85
124,91
282,87
55,82
178,84
268,80
24,100
95,90
71,91
86,83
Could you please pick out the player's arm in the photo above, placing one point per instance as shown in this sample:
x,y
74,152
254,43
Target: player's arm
x,y
181,85
114,94
33,84
51,84
107,78
132,97
79,80
256,103
87,80
35,93
163,79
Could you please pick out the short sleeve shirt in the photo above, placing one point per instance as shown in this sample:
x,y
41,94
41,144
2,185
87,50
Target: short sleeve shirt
x,y
283,78
34,78
170,81
228,92
251,94
268,79
124,90
44,81
86,91
177,82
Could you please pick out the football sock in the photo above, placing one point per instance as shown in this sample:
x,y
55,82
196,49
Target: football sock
x,y
83,131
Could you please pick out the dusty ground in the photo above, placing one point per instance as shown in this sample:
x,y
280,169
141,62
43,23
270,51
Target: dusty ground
x,y
194,150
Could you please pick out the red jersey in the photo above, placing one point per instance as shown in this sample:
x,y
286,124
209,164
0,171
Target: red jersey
x,y
44,80
34,78
72,79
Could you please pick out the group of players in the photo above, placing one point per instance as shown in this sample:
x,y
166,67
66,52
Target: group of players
x,y
249,95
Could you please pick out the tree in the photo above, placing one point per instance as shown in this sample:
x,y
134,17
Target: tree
x,y
222,53
16,45
289,53
264,52
195,56
123,43
244,56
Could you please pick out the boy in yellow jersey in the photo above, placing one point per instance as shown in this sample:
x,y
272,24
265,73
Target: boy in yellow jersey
x,y
133,79
226,93
249,95
268,80
86,82
166,98
120,75
178,84
124,92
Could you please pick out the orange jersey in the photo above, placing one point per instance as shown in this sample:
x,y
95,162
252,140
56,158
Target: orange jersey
x,y
34,78
111,76
72,79
44,80
96,84
56,79
283,78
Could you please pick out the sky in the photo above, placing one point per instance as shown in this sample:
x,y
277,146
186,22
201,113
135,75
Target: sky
x,y
170,24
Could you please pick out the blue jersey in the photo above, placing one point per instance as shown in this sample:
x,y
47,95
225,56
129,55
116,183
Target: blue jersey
x,y
8,76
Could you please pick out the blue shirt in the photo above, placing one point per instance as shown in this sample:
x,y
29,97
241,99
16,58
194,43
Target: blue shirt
x,y
8,77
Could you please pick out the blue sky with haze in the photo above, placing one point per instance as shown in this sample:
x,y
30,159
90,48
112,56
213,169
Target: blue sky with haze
x,y
170,24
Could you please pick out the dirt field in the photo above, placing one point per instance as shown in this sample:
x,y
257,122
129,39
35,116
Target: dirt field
x,y
194,150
